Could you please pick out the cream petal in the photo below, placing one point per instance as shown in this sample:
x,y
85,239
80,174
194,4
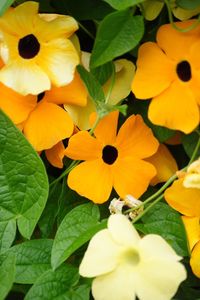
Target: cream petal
x,y
24,78
117,285
101,255
122,231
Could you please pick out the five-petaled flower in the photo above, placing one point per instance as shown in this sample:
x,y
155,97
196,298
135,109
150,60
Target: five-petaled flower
x,y
126,266
111,159
169,72
36,52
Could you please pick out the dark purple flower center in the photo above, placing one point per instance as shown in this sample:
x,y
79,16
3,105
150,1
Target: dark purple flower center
x,y
109,154
183,71
28,46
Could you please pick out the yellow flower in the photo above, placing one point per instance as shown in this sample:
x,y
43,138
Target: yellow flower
x,y
152,9
168,71
111,159
184,194
41,118
126,266
36,52
124,72
192,227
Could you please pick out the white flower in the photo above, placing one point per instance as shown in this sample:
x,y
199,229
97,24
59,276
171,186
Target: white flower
x,y
126,266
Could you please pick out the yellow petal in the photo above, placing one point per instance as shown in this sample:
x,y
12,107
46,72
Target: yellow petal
x,y
24,78
192,228
82,146
58,58
132,176
122,231
47,125
91,179
123,80
155,72
73,93
184,200
164,163
16,106
136,139
55,155
81,115
116,285
195,260
174,43
106,129
173,99
101,255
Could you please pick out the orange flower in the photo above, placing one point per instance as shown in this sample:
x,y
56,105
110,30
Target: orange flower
x,y
41,119
169,72
111,159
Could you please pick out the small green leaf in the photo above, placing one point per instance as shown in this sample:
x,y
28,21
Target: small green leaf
x,y
54,284
188,4
93,86
122,4
80,293
78,226
7,275
189,142
7,234
166,222
23,179
33,258
4,5
103,73
118,33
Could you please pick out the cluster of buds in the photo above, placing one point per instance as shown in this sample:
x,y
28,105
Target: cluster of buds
x,y
132,205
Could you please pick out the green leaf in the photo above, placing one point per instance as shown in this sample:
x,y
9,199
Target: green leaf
x,y
103,73
118,33
4,5
7,234
78,226
33,258
189,142
166,222
80,293
93,86
23,179
54,284
122,4
82,10
188,4
7,275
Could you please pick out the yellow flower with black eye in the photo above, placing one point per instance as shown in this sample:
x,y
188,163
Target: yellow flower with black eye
x,y
36,52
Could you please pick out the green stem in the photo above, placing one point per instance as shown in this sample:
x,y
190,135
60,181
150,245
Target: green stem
x,y
194,154
95,125
189,28
71,166
147,209
86,31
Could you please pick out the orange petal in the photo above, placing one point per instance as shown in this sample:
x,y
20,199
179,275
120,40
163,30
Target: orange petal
x,y
55,155
195,260
136,139
177,98
164,163
176,44
184,200
74,93
16,106
154,73
192,228
82,146
106,129
132,176
47,125
91,179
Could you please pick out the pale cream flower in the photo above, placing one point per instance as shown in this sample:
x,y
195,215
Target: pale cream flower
x,y
126,266
192,176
